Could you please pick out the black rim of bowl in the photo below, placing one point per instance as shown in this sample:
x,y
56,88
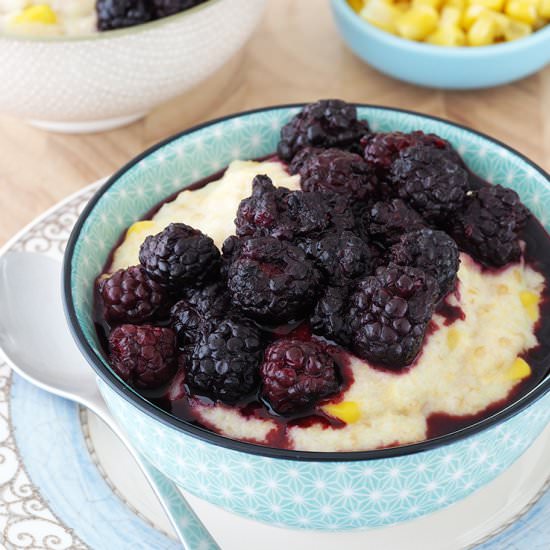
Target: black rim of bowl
x,y
208,436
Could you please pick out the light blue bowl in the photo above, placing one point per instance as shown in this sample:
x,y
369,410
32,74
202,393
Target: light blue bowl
x,y
333,491
437,66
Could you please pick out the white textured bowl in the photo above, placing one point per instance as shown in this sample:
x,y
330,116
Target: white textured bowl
x,y
104,80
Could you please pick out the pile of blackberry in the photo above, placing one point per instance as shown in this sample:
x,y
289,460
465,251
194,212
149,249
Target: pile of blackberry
x,y
358,259
118,14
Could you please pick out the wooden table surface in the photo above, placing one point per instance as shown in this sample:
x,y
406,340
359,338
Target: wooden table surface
x,y
295,55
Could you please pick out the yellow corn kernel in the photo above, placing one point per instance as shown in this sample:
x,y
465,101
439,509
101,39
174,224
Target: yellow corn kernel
x,y
381,15
447,35
522,10
140,227
532,312
544,9
453,337
483,32
516,29
495,5
417,23
530,302
356,5
430,3
450,17
472,14
346,411
519,370
41,13
502,22
402,6
459,4
528,298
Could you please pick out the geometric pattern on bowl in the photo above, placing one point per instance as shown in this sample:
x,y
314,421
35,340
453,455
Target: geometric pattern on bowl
x,y
331,495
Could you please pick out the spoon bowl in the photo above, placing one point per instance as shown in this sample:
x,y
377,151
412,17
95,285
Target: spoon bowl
x,y
32,313
37,344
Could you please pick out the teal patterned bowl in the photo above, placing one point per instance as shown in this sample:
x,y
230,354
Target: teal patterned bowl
x,y
311,490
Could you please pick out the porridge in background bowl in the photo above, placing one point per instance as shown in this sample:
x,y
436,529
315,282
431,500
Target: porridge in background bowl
x,y
372,292
81,17
90,82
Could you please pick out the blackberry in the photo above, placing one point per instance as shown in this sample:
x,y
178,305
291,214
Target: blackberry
x,y
335,170
180,256
389,313
278,212
197,304
329,318
304,207
185,320
117,14
163,8
231,247
302,157
381,149
289,215
211,300
130,296
489,225
272,281
430,180
387,221
340,209
296,375
144,356
503,201
325,124
225,360
340,256
432,251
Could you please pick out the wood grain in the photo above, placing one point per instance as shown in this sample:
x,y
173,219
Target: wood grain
x,y
295,55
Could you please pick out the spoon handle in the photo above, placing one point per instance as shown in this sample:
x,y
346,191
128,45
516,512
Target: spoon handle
x,y
191,531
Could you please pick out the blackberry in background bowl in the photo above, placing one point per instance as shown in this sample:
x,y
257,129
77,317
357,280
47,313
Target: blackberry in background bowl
x,y
167,436
118,14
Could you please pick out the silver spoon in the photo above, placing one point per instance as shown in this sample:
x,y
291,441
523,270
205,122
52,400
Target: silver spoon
x,y
36,342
